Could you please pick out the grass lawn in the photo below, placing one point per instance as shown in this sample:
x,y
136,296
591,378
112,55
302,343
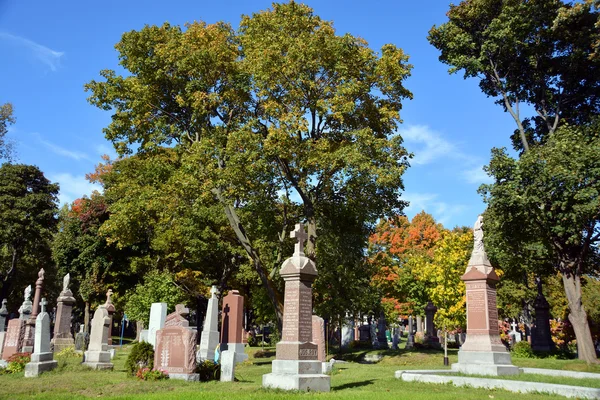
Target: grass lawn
x,y
350,380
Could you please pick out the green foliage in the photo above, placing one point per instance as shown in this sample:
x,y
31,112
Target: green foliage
x,y
6,118
209,371
141,356
533,52
16,362
68,352
522,349
27,221
147,374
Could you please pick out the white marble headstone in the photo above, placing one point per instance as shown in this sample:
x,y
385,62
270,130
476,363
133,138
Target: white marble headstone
x,y
158,315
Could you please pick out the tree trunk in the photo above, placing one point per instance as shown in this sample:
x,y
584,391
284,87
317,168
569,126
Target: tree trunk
x,y
240,233
86,318
139,326
578,318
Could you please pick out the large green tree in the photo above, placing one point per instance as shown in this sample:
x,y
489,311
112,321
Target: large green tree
x,y
28,210
543,211
285,106
534,53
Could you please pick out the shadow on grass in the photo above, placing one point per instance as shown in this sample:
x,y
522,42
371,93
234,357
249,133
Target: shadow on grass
x,y
352,385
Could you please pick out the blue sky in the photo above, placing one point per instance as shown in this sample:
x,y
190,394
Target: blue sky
x,y
51,49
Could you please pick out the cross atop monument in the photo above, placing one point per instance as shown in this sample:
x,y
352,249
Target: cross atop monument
x,y
300,235
181,309
214,291
514,326
43,304
108,294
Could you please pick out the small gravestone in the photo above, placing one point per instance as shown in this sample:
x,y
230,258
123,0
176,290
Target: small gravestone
x,y
318,337
364,333
158,315
209,340
63,337
175,350
410,341
347,332
81,339
97,356
396,338
419,324
515,335
42,358
296,366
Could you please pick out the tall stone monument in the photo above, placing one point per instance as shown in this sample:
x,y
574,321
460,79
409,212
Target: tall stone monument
x,y
382,342
541,336
296,366
63,337
482,352
110,308
42,358
210,331
175,350
158,315
3,315
431,339
97,356
232,325
30,324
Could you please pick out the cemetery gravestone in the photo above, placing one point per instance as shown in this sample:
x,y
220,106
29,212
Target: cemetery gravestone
x,y
15,332
541,338
209,340
144,336
347,332
382,342
232,334
158,315
419,324
482,352
318,337
81,339
410,341
97,356
3,315
515,334
62,328
296,366
110,308
175,352
42,358
431,337
30,324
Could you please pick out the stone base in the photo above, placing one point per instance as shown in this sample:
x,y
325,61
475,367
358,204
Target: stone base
x,y
208,343
326,368
185,377
298,375
98,360
62,343
3,364
34,369
485,363
27,349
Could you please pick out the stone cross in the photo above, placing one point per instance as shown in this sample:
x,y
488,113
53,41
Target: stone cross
x,y
514,326
181,309
43,304
108,294
300,235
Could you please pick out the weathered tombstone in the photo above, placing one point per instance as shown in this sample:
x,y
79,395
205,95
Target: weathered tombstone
x,y
42,358
541,338
63,337
97,356
175,352
15,332
419,324
81,339
158,315
396,338
364,333
515,334
30,324
410,341
347,332
296,366
3,315
431,338
382,342
482,352
110,308
209,340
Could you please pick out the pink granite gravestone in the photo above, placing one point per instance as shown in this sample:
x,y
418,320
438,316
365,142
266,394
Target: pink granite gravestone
x,y
175,351
63,337
14,337
482,352
318,337
297,366
30,324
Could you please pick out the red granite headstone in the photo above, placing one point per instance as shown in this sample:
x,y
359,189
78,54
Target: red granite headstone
x,y
14,338
175,350
318,337
232,319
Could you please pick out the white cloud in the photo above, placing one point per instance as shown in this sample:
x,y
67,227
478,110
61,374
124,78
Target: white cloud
x,y
73,187
61,151
44,54
442,212
430,144
477,175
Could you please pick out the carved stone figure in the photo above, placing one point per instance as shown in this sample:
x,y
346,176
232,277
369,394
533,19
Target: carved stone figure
x,y
66,281
478,235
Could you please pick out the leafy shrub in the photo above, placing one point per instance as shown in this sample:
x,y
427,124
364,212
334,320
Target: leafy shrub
x,y
68,352
147,374
419,338
208,370
274,337
16,362
523,349
252,341
141,356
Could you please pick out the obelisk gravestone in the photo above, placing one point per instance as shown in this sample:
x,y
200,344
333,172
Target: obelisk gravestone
x,y
63,337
